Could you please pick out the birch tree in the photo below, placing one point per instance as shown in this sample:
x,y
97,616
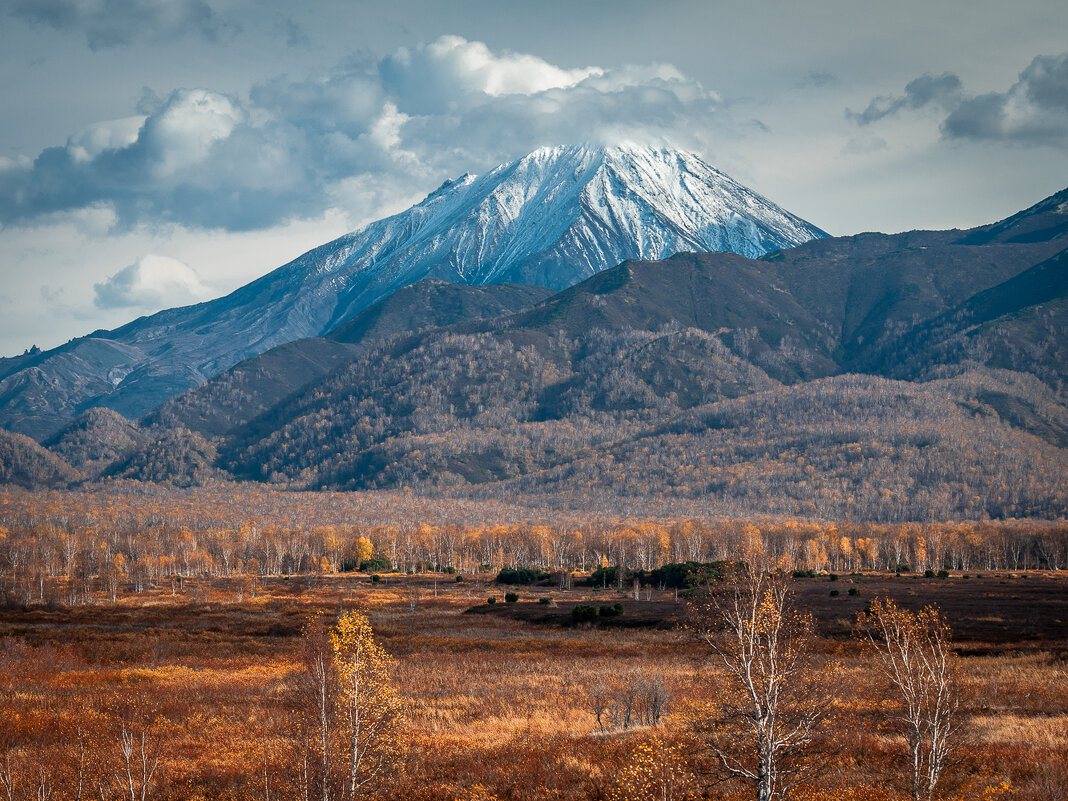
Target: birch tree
x,y
768,702
914,654
369,705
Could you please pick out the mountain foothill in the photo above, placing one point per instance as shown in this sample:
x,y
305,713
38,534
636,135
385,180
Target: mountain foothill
x,y
913,376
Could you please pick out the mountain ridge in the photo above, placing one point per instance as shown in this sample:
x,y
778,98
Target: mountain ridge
x,y
551,218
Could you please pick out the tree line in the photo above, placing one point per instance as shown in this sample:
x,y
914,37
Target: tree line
x,y
73,554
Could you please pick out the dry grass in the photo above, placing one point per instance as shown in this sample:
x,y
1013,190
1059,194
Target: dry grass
x,y
492,699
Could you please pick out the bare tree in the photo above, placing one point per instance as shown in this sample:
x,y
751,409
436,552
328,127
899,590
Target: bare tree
x,y
133,754
316,721
769,698
914,655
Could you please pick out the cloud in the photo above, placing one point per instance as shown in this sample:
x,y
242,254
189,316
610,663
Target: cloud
x,y
1034,111
431,78
939,90
152,282
365,137
816,79
115,23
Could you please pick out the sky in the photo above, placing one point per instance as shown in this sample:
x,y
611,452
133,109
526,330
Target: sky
x,y
155,153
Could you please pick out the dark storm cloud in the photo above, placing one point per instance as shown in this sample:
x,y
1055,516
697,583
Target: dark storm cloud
x,y
294,149
1034,111
942,90
113,23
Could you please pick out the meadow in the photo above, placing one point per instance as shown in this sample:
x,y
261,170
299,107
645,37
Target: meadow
x,y
200,675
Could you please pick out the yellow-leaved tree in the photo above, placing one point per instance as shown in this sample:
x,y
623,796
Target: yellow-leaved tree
x,y
350,722
364,550
370,710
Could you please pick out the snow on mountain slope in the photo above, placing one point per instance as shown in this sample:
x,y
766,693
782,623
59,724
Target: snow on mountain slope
x,y
552,218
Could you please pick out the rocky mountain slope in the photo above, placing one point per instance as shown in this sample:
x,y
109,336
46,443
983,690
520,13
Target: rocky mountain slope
x,y
550,219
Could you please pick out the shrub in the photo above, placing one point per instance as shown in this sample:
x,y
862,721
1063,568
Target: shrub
x,y
511,597
681,575
459,579
376,564
903,567
943,574
545,600
605,577
375,578
832,577
804,574
521,576
854,591
491,600
834,593
610,611
928,573
581,613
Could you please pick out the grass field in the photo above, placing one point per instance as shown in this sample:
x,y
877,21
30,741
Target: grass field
x,y
497,696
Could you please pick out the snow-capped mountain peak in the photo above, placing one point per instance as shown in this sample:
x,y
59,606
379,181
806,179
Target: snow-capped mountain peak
x,y
555,217
551,218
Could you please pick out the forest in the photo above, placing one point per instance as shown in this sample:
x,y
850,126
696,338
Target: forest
x,y
197,644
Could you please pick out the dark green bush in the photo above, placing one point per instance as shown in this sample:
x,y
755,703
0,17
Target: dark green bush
x,y
832,577
581,613
522,575
610,611
375,578
605,577
459,579
491,600
681,575
854,591
376,564
943,574
804,574
511,597
545,600
834,593
928,573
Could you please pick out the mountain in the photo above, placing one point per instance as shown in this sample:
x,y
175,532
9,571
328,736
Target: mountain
x,y
876,376
24,463
550,219
1045,221
95,440
433,303
251,387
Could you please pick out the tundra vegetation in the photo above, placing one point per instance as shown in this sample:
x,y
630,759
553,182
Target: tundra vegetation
x,y
158,644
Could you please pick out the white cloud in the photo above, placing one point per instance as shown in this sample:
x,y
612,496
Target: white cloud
x,y
110,135
431,78
151,283
183,133
291,150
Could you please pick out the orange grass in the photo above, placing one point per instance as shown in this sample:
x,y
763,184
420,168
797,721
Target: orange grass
x,y
495,704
